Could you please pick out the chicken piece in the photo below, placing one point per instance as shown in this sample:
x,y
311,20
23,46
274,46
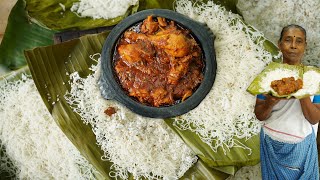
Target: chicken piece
x,y
170,29
161,97
299,84
131,36
286,86
187,94
140,93
275,85
162,21
179,67
134,53
149,26
176,44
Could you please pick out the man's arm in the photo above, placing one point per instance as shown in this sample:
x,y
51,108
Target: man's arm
x,y
310,111
264,107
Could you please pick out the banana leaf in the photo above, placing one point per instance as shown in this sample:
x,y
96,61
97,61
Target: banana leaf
x,y
14,75
256,87
202,171
52,79
228,163
155,4
50,14
267,45
20,34
49,67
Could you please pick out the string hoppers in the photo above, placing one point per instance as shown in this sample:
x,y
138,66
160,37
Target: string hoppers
x,y
105,9
143,146
227,111
33,142
272,15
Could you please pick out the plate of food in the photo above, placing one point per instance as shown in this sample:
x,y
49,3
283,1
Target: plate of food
x,y
158,63
284,80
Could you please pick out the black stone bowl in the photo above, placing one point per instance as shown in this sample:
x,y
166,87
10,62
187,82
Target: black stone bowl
x,y
111,89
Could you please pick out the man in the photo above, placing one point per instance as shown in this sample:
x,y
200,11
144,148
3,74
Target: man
x,y
288,147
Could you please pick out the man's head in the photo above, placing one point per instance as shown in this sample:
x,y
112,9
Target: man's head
x,y
292,43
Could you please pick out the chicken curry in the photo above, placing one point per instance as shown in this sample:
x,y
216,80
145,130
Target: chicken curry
x,y
286,86
158,62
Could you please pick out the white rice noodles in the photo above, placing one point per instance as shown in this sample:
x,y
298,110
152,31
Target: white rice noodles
x,y
247,172
272,15
311,83
227,111
105,9
143,146
276,74
31,139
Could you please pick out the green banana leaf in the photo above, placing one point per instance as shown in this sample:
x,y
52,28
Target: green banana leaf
x,y
49,67
14,75
268,46
228,163
255,86
202,171
50,14
20,34
273,50
155,4
52,79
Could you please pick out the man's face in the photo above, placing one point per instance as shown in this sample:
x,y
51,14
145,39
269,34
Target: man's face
x,y
292,45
